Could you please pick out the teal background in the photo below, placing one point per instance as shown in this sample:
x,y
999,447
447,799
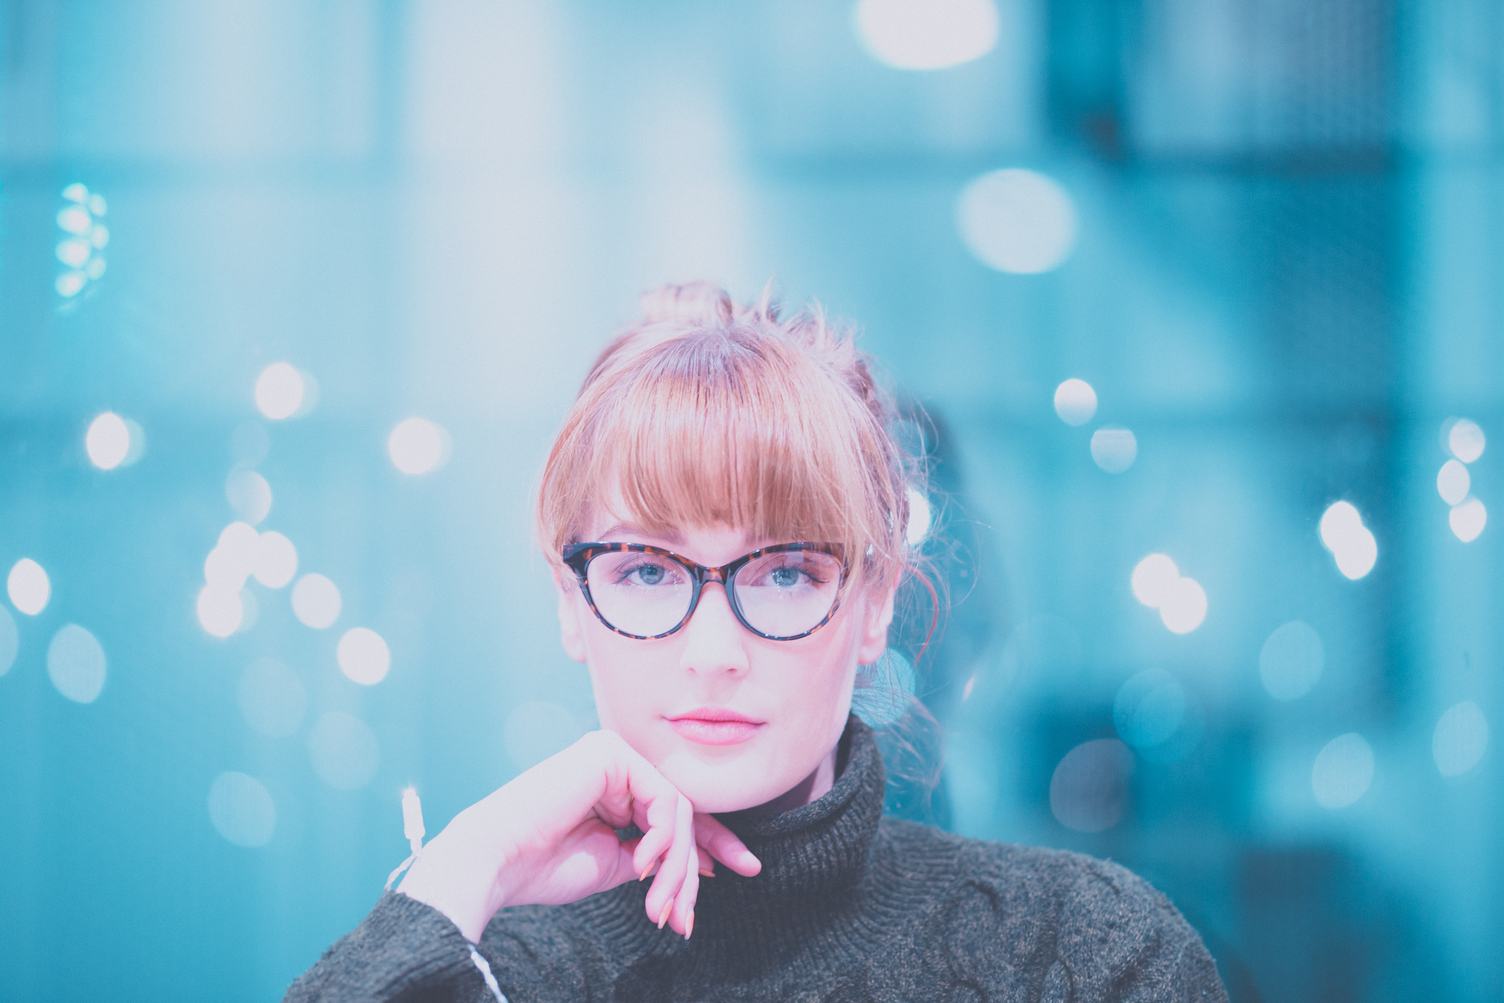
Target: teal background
x,y
1285,279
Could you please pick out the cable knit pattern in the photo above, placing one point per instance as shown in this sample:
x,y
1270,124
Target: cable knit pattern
x,y
850,905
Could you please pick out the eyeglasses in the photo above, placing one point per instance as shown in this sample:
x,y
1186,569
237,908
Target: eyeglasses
x,y
782,593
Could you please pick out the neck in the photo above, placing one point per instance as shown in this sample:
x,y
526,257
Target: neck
x,y
811,788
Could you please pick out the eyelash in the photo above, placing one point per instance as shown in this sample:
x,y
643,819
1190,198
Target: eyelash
x,y
809,577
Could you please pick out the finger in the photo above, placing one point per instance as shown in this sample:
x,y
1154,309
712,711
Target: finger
x,y
671,873
656,816
685,900
649,849
627,855
691,892
725,846
661,892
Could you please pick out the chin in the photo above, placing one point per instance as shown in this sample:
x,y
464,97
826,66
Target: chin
x,y
712,795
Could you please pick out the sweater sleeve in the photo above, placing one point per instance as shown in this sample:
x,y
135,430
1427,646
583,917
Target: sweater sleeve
x,y
402,950
1121,939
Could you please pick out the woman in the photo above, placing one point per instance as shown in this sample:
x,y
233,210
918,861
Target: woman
x,y
725,513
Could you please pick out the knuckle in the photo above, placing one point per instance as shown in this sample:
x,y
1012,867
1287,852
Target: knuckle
x,y
604,743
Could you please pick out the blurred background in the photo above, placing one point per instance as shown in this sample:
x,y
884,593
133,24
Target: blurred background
x,y
1203,297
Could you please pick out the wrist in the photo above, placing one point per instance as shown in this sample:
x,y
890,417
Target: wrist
x,y
466,894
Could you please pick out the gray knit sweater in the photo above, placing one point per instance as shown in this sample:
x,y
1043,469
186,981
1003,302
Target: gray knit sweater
x,y
850,905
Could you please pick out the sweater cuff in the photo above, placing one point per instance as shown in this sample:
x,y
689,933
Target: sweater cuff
x,y
423,943
404,944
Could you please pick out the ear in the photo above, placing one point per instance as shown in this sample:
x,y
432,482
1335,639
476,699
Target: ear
x,y
879,614
571,629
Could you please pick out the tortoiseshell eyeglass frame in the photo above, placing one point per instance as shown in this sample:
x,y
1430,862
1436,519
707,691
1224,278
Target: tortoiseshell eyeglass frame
x,y
577,556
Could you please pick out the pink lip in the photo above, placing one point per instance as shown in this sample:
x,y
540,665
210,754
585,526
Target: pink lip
x,y
715,732
714,714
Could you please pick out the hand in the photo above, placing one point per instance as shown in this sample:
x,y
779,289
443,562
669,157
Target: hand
x,y
548,838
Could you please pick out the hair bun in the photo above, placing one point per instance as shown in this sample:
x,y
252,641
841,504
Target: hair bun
x,y
691,302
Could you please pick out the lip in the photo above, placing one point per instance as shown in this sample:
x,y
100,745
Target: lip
x,y
714,732
713,714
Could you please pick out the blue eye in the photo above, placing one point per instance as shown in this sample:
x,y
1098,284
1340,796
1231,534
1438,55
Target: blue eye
x,y
786,576
652,574
791,576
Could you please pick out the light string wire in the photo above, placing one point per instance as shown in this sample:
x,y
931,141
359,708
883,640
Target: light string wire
x,y
412,831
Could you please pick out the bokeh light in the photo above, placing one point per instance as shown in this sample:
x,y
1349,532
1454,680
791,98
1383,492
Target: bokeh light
x,y
272,697
363,656
1075,401
220,609
1460,739
234,556
241,809
83,237
1152,579
1114,449
249,495
418,446
1017,221
275,560
1291,660
1465,439
1353,546
343,750
1357,560
280,391
1339,524
1184,607
28,586
1468,519
1343,771
1089,788
926,36
1149,708
108,441
316,601
1453,481
918,526
76,663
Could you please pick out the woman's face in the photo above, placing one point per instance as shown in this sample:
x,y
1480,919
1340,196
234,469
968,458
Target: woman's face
x,y
800,689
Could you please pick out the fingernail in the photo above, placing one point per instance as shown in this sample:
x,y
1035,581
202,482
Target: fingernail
x,y
707,872
645,871
689,924
664,918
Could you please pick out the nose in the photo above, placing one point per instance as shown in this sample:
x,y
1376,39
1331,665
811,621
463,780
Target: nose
x,y
714,640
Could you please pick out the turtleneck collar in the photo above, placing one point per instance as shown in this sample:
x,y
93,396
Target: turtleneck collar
x,y
814,858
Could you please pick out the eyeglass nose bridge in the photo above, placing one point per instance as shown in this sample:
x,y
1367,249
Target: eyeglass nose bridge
x,y
704,576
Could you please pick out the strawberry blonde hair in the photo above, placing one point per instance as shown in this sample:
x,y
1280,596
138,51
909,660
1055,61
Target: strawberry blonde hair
x,y
706,411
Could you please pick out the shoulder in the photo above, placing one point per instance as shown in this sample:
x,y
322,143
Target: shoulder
x,y
1088,927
